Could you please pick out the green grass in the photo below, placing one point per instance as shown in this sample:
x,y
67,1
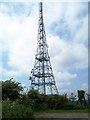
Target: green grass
x,y
61,111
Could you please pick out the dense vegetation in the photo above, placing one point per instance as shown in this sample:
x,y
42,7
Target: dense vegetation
x,y
15,110
18,104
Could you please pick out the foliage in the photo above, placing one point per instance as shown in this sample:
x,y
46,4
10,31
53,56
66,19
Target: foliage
x,y
11,90
56,101
15,110
17,105
33,98
81,97
23,99
43,102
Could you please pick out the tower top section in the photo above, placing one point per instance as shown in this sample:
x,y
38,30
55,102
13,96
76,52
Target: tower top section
x,y
40,10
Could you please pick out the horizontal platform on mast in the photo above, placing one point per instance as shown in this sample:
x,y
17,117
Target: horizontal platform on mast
x,y
39,75
42,59
47,83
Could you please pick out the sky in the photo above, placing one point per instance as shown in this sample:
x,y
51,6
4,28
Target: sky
x,y
66,26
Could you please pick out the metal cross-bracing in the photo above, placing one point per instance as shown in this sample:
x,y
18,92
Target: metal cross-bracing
x,y
42,78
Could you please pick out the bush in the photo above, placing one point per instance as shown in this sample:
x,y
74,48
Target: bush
x,y
51,101
33,98
69,106
79,106
16,110
11,90
74,106
23,99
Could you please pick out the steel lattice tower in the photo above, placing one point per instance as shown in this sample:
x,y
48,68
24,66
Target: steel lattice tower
x,y
42,78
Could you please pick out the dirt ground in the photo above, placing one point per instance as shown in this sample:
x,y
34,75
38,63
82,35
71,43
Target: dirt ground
x,y
62,115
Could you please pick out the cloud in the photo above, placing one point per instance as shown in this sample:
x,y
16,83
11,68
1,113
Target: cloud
x,y
65,76
79,38
64,79
67,56
24,49
11,73
19,40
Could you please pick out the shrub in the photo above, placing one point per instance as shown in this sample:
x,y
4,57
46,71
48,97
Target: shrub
x,y
52,101
23,99
16,110
74,106
33,97
69,106
79,106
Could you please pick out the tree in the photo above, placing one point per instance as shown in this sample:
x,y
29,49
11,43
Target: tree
x,y
11,90
81,97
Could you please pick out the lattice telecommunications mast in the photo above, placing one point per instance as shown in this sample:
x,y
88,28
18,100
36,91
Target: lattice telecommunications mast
x,y
42,78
